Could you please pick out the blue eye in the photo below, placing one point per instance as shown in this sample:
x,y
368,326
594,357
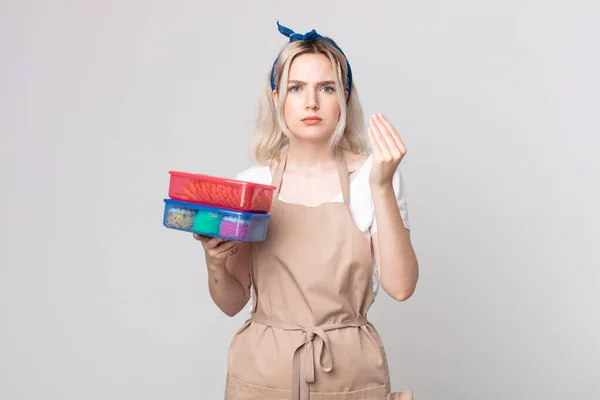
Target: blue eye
x,y
329,89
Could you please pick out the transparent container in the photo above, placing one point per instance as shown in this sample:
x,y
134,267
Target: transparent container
x,y
220,192
216,222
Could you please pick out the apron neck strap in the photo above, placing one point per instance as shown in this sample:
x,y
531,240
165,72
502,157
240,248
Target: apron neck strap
x,y
344,176
278,175
342,170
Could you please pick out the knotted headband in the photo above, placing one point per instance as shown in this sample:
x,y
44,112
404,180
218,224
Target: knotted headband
x,y
312,35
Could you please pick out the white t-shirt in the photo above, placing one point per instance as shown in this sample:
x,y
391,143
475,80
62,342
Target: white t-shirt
x,y
361,201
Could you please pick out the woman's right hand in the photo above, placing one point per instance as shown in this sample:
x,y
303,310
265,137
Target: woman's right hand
x,y
216,249
229,280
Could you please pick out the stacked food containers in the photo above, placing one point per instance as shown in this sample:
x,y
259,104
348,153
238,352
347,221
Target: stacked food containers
x,y
218,207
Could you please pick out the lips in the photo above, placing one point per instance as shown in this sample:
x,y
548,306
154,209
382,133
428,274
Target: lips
x,y
311,120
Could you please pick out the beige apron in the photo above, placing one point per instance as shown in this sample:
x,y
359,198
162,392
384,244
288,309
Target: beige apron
x,y
308,336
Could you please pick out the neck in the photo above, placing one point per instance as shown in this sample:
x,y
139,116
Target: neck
x,y
310,156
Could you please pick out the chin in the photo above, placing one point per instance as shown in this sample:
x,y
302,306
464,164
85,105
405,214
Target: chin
x,y
312,134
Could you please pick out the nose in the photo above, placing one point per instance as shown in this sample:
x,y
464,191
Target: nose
x,y
312,102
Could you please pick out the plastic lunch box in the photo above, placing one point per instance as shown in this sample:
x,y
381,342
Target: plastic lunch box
x,y
216,222
219,192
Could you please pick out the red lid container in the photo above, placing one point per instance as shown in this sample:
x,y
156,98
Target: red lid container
x,y
220,192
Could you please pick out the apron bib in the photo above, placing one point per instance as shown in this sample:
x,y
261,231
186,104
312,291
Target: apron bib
x,y
308,336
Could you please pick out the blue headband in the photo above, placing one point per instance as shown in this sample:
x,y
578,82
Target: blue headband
x,y
312,35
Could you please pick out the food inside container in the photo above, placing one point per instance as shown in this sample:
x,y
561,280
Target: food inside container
x,y
220,192
215,222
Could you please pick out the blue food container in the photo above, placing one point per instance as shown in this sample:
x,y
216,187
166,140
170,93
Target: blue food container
x,y
216,222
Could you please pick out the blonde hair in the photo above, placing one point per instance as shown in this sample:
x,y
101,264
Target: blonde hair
x,y
272,134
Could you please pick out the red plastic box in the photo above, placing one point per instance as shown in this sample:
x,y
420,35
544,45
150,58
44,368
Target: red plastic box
x,y
220,192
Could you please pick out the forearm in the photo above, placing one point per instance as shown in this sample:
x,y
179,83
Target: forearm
x,y
397,264
226,291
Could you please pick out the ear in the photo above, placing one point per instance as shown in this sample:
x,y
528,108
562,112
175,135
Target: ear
x,y
347,94
275,97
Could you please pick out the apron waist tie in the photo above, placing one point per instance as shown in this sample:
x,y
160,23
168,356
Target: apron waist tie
x,y
303,367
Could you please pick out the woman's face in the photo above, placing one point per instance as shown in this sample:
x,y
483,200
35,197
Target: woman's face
x,y
311,108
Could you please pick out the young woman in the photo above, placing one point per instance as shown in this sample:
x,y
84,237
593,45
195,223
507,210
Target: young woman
x,y
338,230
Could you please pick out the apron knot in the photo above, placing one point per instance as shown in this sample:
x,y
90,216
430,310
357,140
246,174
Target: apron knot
x,y
309,353
304,361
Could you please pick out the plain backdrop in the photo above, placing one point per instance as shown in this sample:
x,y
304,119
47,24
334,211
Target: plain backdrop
x,y
497,102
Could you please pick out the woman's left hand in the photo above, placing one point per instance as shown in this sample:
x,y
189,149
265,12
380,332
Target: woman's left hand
x,y
388,150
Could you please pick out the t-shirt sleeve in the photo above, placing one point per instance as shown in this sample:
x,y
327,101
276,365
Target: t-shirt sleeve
x,y
241,176
259,175
401,199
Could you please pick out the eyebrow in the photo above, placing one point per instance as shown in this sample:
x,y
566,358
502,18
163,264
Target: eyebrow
x,y
297,82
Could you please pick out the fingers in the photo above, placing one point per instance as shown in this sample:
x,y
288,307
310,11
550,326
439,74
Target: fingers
x,y
390,147
217,247
214,243
208,241
224,245
222,250
385,152
393,132
229,248
375,144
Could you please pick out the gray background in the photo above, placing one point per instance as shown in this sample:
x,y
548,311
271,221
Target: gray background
x,y
497,103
